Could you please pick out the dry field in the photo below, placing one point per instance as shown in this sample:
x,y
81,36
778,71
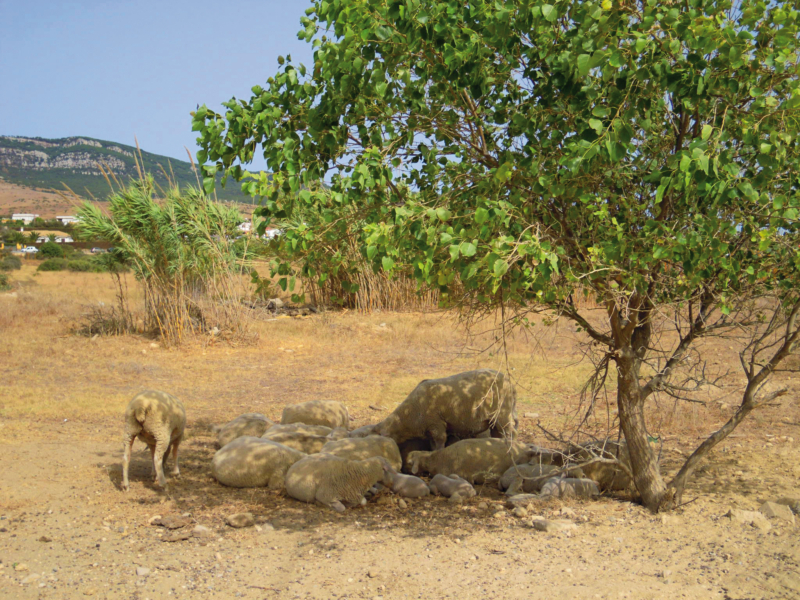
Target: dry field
x,y
67,531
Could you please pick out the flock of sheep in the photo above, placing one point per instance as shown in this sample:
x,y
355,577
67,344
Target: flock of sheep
x,y
460,429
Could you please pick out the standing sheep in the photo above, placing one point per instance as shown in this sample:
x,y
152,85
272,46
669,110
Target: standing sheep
x,y
253,462
462,405
336,482
361,448
251,424
158,419
477,461
317,412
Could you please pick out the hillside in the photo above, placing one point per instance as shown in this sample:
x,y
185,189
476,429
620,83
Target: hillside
x,y
74,162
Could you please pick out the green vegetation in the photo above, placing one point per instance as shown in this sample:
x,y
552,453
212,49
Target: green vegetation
x,y
50,250
644,156
9,262
95,185
5,282
182,252
53,264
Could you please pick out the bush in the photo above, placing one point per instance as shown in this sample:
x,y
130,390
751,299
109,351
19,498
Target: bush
x,y
50,250
4,285
53,264
86,265
10,263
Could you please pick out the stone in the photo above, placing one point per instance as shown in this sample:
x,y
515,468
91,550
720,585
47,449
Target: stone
x,y
202,531
384,500
45,539
523,500
90,591
749,517
553,525
172,522
520,512
793,503
773,510
372,574
531,415
153,519
402,503
566,512
30,578
177,536
240,520
21,567
483,506
142,571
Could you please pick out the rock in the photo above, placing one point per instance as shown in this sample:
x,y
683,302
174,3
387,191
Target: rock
x,y
153,519
402,503
483,506
45,539
500,514
749,517
553,525
523,500
531,415
520,512
793,503
202,531
142,571
21,567
274,304
455,498
171,522
372,574
773,510
240,520
384,500
177,536
566,512
90,591
30,578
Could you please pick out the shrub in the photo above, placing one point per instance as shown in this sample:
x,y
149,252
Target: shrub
x,y
50,250
4,284
53,264
10,263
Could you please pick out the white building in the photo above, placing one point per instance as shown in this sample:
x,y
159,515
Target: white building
x,y
68,219
24,217
245,227
64,239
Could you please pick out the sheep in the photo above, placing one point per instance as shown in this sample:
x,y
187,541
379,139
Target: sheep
x,y
317,412
477,461
336,482
529,479
252,424
447,486
158,419
320,430
307,444
462,405
360,448
569,488
249,461
363,431
408,486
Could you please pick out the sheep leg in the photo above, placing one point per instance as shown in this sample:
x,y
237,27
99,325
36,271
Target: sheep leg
x,y
158,458
166,457
175,470
337,506
126,460
153,461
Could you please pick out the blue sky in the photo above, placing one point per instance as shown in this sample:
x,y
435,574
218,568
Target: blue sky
x,y
118,69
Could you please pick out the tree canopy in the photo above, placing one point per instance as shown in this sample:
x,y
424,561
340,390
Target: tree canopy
x,y
643,153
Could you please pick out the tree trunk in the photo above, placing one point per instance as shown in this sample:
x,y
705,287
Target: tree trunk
x,y
644,462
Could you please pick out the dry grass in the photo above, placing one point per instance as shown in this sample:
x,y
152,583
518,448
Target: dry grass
x,y
50,374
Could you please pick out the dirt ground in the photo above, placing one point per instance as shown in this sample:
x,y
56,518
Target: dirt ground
x,y
67,531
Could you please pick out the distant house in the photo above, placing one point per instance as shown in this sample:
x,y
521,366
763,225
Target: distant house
x,y
42,239
64,239
245,227
24,217
67,220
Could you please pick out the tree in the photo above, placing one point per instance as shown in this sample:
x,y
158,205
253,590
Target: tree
x,y
50,249
644,154
32,237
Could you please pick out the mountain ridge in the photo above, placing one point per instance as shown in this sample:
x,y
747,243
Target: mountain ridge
x,y
75,161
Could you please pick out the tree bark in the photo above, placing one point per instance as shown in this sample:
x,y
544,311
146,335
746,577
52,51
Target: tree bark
x,y
644,462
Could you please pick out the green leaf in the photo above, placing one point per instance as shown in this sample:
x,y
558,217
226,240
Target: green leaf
x,y
597,125
503,172
388,263
481,215
468,249
371,252
499,268
443,214
549,12
707,129
583,64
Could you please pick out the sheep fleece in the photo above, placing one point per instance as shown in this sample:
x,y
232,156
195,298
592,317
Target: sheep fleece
x,y
317,412
249,462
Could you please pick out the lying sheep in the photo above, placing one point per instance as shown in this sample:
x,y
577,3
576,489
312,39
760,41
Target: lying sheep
x,y
447,486
336,482
158,419
477,461
253,462
529,479
462,405
252,424
569,488
409,486
307,444
317,412
320,430
609,476
360,448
